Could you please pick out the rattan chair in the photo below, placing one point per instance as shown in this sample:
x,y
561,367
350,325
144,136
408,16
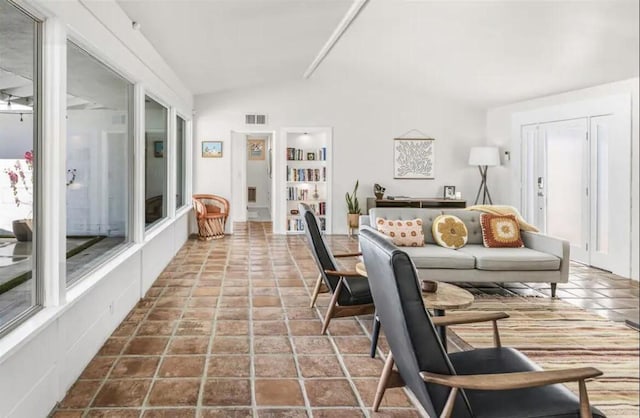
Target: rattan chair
x,y
211,214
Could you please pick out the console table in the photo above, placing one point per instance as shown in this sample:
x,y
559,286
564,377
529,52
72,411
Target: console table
x,y
414,202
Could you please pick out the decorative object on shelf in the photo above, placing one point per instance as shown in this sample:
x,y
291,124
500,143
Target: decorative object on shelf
x,y
211,149
255,149
22,177
353,207
378,191
484,157
429,286
413,158
450,192
294,211
158,149
315,195
311,156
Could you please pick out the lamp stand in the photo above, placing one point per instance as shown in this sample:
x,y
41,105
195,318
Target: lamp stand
x,y
483,187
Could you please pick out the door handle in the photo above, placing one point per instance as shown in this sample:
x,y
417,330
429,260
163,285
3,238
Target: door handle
x,y
540,183
540,194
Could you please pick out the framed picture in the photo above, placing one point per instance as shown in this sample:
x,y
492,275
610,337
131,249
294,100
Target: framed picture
x,y
413,158
158,149
255,149
450,192
311,156
211,149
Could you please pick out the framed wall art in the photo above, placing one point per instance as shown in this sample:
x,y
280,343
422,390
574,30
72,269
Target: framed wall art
x,y
211,149
255,149
413,158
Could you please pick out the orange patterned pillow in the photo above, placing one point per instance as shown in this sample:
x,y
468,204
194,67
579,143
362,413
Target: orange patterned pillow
x,y
500,231
407,233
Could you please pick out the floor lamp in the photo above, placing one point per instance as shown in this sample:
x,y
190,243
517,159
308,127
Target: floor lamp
x,y
484,157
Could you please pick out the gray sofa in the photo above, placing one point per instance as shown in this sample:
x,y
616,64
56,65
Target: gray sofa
x,y
542,259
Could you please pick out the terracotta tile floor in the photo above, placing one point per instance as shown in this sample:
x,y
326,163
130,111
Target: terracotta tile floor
x,y
226,331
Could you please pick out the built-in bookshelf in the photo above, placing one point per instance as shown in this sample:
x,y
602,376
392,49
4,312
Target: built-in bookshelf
x,y
307,177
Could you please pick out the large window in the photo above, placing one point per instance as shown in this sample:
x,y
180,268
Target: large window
x,y
98,162
180,165
19,52
155,187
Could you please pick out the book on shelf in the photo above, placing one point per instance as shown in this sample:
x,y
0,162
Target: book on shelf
x,y
306,174
294,225
299,154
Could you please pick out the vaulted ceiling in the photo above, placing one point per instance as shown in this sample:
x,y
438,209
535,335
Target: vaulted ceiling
x,y
483,52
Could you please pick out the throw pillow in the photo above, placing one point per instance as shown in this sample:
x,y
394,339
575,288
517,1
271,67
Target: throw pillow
x,y
407,233
449,231
500,231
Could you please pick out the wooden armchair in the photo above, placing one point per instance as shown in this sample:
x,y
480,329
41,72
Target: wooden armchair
x,y
211,214
484,382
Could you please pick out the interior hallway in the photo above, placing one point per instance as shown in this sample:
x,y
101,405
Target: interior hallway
x,y
240,342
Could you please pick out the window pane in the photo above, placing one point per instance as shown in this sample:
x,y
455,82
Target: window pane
x,y
98,155
180,138
18,122
155,161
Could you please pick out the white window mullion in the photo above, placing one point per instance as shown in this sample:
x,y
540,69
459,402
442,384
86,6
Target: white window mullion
x,y
52,203
172,163
137,220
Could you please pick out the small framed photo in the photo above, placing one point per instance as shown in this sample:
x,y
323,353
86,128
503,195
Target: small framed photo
x,y
311,156
450,192
158,149
211,149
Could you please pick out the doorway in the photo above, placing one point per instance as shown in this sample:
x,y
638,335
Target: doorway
x,y
259,178
252,176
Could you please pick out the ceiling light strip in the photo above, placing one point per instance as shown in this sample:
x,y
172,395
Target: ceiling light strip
x,y
348,18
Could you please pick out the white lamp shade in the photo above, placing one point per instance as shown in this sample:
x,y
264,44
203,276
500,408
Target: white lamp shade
x,y
489,156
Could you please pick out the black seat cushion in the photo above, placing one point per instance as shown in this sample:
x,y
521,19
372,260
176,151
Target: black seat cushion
x,y
359,292
554,401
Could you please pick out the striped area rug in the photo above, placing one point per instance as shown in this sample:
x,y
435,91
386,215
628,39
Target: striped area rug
x,y
557,335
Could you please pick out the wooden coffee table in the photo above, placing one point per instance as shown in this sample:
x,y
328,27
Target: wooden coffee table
x,y
447,296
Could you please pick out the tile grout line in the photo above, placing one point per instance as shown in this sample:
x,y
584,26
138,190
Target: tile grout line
x,y
214,321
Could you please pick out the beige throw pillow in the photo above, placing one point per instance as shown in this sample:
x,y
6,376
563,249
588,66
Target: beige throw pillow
x,y
449,231
403,233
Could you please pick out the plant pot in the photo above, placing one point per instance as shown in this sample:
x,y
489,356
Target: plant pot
x,y
379,195
23,229
354,220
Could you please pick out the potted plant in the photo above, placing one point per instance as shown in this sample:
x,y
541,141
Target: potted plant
x,y
19,175
353,207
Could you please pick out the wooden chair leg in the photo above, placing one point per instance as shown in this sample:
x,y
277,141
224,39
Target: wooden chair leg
x,y
316,291
332,307
384,380
448,407
585,408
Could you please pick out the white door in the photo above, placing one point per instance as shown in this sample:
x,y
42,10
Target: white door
x,y
600,133
566,184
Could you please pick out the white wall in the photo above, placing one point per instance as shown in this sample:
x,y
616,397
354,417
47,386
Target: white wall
x,y
258,176
365,119
42,358
507,178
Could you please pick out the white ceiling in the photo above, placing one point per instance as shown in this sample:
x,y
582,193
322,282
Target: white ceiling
x,y
223,44
484,53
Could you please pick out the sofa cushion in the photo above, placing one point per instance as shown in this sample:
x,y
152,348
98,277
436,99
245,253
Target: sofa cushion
x,y
499,231
432,256
427,216
449,231
519,259
471,219
407,233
